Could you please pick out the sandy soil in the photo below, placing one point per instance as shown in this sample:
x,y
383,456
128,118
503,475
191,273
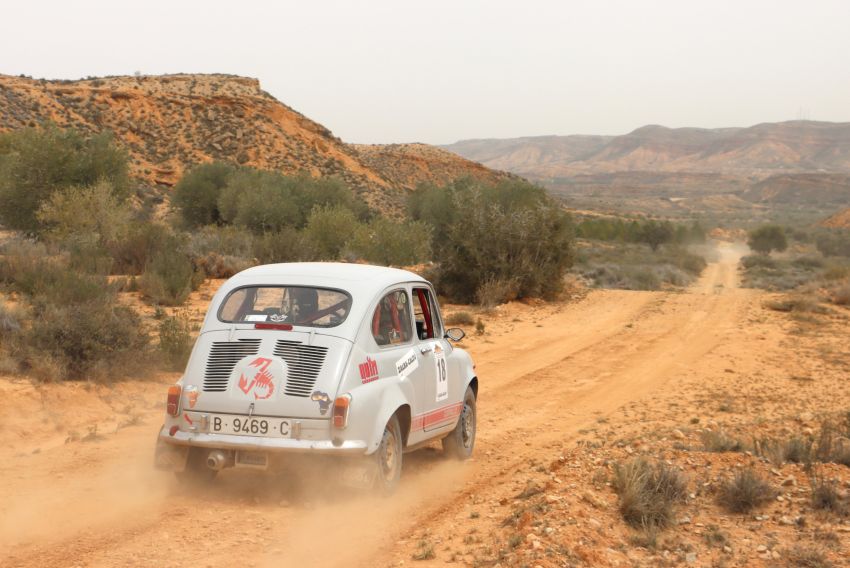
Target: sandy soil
x,y
565,389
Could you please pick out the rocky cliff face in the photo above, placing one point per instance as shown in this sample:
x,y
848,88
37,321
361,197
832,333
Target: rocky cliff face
x,y
168,123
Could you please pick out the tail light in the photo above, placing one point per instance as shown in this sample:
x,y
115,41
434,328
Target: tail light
x,y
172,406
341,406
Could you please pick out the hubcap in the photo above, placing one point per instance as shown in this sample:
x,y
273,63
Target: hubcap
x,y
389,456
467,425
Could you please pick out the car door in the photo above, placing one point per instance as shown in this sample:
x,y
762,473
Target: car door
x,y
397,350
440,406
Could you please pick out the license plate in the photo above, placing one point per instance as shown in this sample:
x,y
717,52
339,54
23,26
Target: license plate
x,y
250,426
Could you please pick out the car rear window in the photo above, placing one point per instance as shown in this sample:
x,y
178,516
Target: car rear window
x,y
296,305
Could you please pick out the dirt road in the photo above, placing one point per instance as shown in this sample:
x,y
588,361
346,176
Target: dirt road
x,y
547,373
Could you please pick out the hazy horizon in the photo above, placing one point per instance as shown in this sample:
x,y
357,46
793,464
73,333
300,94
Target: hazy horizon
x,y
384,72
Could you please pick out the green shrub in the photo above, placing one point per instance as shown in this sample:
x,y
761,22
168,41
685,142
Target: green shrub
x,y
648,492
286,245
175,341
508,231
834,242
169,278
88,340
198,191
35,163
386,242
139,245
93,210
330,229
767,238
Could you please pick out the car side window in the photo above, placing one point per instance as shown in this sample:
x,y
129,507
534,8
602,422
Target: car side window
x,y
391,320
425,313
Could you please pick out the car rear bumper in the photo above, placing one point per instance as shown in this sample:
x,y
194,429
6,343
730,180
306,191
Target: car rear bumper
x,y
258,443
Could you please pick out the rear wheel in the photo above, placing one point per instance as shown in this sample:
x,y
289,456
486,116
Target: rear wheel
x,y
388,458
461,441
196,470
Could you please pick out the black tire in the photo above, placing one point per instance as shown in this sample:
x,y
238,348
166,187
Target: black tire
x,y
388,458
460,443
196,468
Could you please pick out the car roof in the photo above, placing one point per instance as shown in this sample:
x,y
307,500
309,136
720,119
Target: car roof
x,y
354,278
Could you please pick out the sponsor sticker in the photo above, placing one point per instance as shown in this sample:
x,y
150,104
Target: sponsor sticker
x,y
441,372
192,394
323,399
368,371
256,317
407,364
257,380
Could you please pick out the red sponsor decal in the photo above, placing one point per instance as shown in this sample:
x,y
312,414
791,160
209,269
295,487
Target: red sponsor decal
x,y
262,382
192,397
442,414
189,420
369,371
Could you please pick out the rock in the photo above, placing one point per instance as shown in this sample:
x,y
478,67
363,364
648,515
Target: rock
x,y
536,544
789,482
761,548
686,520
786,521
727,550
678,434
806,417
691,557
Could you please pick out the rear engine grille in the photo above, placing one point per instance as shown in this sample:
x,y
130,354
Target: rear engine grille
x,y
303,362
223,357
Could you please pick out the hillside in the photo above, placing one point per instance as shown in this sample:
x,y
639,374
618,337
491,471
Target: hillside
x,y
168,123
839,220
796,188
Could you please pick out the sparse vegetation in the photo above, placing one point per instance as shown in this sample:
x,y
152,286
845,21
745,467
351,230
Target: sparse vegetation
x,y
634,267
460,318
746,491
648,492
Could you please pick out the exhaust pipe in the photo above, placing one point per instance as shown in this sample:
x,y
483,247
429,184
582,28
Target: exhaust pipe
x,y
216,460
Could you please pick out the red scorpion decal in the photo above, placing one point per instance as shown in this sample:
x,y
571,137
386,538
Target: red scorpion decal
x,y
262,379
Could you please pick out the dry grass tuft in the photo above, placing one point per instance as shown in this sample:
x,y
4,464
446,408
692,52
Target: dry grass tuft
x,y
744,492
648,492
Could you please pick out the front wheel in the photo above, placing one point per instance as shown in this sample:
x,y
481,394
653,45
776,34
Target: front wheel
x,y
461,441
388,458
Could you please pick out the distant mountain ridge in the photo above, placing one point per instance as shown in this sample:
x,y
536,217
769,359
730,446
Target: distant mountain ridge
x,y
168,123
760,150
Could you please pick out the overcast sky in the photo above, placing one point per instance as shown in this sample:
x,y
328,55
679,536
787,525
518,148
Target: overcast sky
x,y
439,71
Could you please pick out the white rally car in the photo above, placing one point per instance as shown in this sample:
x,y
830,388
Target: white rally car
x,y
325,359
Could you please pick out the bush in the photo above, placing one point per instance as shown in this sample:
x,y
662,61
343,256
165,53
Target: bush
x,y
509,231
286,245
198,191
495,291
802,557
139,245
767,238
169,278
648,493
87,340
714,441
826,495
834,243
36,163
387,242
175,341
460,318
744,492
329,229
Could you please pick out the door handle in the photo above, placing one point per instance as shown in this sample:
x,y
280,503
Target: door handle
x,y
424,350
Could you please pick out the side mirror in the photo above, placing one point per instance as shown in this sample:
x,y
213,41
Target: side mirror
x,y
455,334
